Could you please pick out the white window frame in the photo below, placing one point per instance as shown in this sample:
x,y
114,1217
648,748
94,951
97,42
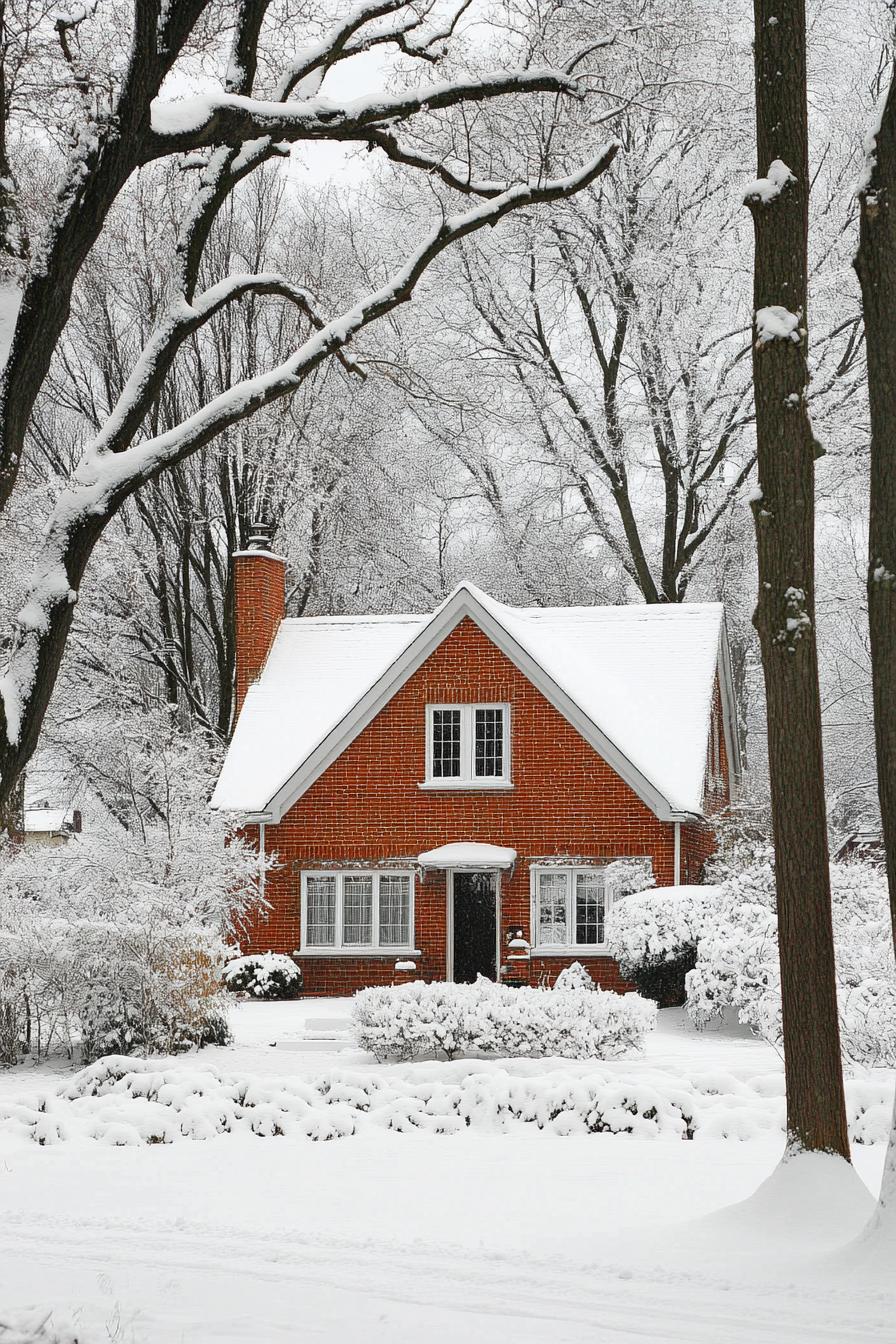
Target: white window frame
x,y
374,947
570,946
467,779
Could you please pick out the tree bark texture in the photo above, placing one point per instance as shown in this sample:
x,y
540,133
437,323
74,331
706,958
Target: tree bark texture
x,y
876,268
785,612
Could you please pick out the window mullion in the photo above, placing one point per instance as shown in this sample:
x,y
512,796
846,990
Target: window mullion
x,y
340,901
468,740
375,912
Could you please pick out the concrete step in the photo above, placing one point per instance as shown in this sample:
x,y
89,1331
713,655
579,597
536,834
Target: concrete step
x,y
334,1026
321,1044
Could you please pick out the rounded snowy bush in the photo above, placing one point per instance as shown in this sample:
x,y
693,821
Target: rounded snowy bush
x,y
737,959
407,1021
573,979
264,975
654,934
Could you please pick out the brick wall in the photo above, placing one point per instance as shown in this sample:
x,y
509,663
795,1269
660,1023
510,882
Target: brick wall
x,y
698,842
566,801
259,604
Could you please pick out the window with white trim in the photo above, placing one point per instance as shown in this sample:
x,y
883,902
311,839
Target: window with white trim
x,y
467,744
571,907
357,911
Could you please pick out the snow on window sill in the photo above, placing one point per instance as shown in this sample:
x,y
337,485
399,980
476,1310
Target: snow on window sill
x,y
587,950
361,953
466,784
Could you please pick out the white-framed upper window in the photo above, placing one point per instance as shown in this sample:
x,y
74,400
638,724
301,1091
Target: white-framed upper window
x,y
570,907
356,911
467,744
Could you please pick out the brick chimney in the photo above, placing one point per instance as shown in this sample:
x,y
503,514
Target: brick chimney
x,y
259,594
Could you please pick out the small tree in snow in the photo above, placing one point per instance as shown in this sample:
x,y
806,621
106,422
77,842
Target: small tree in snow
x,y
116,941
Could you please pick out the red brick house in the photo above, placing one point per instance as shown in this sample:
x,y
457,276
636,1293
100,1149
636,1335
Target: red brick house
x,y
449,794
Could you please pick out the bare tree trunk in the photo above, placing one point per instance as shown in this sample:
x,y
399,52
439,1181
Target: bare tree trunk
x,y
876,268
785,612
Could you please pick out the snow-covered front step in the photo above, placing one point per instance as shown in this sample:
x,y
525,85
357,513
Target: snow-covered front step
x,y
330,1045
330,1026
321,1034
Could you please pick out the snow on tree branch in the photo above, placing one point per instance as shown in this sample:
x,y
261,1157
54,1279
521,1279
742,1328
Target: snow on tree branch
x,y
104,478
764,190
216,119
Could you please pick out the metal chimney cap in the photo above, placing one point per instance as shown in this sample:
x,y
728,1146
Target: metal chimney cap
x,y
260,536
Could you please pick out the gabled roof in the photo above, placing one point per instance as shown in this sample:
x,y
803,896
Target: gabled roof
x,y
635,681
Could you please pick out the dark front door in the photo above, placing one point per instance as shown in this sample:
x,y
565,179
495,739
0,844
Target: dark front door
x,y
475,926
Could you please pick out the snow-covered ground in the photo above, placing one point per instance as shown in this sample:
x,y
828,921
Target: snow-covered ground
x,y
521,1235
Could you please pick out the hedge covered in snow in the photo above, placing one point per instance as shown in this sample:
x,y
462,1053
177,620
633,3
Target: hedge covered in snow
x,y
264,975
658,925
575,1022
737,959
653,935
123,1101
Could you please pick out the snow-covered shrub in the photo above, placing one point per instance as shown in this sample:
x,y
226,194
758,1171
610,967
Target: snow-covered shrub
x,y
624,876
573,979
407,1021
125,1102
653,935
264,975
737,959
116,940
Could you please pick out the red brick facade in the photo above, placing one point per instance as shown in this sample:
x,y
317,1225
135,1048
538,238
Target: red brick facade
x,y
367,810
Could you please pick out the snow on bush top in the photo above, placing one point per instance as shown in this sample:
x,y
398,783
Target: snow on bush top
x,y
487,1019
265,975
657,925
573,978
123,1102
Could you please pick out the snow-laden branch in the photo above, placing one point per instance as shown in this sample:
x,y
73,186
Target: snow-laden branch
x,y
105,479
458,178
764,190
310,65
182,320
231,119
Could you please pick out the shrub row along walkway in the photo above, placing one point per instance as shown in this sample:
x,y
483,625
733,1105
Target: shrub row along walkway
x,y
123,1101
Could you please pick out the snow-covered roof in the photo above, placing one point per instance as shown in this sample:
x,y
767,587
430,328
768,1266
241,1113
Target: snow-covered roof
x,y
48,819
465,854
636,681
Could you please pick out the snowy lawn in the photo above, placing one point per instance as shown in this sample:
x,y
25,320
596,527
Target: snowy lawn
x,y
521,1235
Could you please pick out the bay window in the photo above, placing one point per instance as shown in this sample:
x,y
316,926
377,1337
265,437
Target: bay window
x,y
357,911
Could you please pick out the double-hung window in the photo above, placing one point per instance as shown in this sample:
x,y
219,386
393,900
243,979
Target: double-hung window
x,y
357,911
570,907
467,744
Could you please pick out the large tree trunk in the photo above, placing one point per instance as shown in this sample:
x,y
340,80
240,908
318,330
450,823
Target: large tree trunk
x,y
876,267
785,612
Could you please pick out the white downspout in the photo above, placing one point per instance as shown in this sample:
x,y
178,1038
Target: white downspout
x,y
261,862
676,881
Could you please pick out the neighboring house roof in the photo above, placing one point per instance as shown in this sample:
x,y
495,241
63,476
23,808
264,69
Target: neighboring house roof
x,y
635,681
49,820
